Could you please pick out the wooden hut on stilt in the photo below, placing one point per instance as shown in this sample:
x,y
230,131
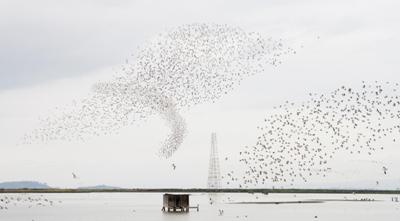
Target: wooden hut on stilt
x,y
176,203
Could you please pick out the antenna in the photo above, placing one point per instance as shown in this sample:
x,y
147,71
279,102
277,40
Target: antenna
x,y
214,176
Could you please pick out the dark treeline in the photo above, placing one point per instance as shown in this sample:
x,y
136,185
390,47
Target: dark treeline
x,y
202,190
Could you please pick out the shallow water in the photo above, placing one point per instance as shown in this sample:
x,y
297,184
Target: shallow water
x,y
147,206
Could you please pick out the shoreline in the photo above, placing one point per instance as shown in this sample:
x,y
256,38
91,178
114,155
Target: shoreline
x,y
202,190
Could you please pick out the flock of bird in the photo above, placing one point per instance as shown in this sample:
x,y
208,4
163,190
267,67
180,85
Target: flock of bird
x,y
197,63
296,142
8,201
180,68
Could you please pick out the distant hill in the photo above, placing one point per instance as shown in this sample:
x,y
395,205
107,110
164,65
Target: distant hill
x,y
100,187
23,184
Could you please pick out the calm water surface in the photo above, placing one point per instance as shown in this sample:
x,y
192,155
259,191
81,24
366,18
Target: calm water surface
x,y
147,206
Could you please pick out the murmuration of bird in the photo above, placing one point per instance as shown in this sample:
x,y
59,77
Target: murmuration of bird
x,y
180,68
297,141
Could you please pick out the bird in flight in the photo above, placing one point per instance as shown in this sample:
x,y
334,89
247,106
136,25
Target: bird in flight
x,y
384,170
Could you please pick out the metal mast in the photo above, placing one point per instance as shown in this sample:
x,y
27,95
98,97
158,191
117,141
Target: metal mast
x,y
214,176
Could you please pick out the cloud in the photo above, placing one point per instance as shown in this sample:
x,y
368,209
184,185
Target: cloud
x,y
47,48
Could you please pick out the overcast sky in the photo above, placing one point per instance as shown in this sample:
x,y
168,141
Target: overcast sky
x,y
51,53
